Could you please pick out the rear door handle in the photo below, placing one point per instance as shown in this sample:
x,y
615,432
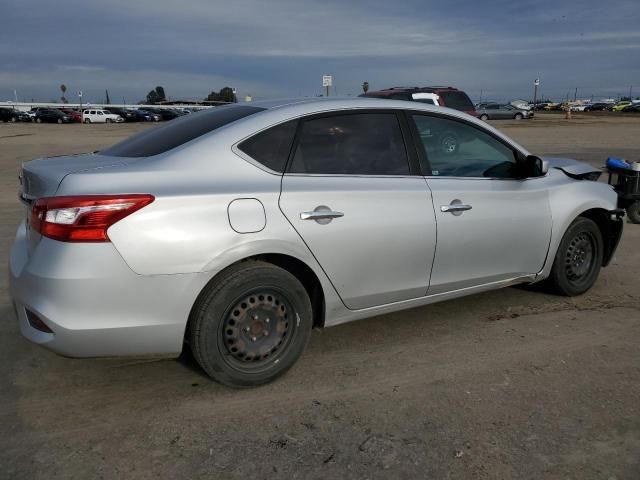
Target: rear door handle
x,y
320,215
455,207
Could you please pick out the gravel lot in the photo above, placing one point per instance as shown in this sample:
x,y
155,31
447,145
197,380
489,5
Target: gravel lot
x,y
507,384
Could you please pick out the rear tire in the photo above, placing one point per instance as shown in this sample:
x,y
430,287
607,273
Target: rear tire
x,y
38,120
87,120
633,212
59,121
484,117
578,260
108,120
250,325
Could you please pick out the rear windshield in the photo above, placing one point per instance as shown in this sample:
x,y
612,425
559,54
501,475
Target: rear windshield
x,y
457,100
179,131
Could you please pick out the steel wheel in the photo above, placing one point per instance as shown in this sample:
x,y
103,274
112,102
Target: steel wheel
x,y
250,324
256,328
579,257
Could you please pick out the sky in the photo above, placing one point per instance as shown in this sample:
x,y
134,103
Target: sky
x,y
492,49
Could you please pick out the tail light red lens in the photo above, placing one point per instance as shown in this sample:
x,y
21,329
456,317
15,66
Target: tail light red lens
x,y
84,218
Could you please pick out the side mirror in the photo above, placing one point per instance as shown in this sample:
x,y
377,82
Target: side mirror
x,y
534,166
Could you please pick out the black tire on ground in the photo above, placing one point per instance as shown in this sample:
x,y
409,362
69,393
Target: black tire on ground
x,y
108,120
251,325
59,120
484,117
38,120
518,116
578,259
14,119
633,212
87,120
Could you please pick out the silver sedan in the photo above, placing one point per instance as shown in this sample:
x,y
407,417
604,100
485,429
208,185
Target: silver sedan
x,y
238,229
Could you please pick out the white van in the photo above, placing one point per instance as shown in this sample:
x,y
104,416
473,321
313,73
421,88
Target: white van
x,y
94,115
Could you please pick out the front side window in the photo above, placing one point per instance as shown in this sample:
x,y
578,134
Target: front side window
x,y
271,147
456,149
354,144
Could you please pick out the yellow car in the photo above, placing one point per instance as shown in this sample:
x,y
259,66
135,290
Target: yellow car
x,y
620,105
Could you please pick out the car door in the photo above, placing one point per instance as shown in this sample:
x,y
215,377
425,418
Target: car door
x,y
365,214
492,225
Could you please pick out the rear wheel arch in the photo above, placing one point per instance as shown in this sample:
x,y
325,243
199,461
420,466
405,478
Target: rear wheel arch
x,y
293,265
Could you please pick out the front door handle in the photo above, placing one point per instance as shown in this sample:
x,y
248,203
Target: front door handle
x,y
321,214
456,207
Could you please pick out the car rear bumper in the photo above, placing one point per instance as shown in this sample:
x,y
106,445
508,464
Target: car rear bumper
x,y
93,303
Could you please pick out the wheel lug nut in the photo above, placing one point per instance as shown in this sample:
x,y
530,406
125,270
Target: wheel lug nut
x,y
255,317
266,333
267,320
246,329
253,339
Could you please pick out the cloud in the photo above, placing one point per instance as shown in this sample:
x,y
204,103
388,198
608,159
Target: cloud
x,y
282,47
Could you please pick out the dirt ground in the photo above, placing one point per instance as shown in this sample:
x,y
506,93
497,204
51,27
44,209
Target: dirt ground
x,y
507,384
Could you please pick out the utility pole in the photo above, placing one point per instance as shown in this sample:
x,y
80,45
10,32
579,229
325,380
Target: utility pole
x,y
575,94
631,92
480,96
536,82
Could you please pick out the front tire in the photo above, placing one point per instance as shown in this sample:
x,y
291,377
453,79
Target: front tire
x,y
578,259
518,116
251,325
633,212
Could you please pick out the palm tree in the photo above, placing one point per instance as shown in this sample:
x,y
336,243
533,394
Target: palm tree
x,y
365,87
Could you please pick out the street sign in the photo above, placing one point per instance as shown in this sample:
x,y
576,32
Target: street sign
x,y
327,80
536,82
80,93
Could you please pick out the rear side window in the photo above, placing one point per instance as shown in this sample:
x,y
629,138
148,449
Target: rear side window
x,y
155,141
355,144
457,100
271,148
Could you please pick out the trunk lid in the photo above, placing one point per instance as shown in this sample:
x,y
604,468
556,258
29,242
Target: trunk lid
x,y
42,177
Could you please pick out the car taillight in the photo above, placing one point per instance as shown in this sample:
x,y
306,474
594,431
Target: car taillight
x,y
84,218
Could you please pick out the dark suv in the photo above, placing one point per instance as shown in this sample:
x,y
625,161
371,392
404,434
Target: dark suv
x,y
445,96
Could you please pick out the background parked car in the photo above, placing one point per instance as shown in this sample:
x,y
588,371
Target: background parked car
x,y
127,115
50,115
446,96
633,108
12,115
156,117
165,113
100,116
498,111
144,116
597,107
74,114
620,105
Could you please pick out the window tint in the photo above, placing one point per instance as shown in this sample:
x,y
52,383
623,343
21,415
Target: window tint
x,y
271,148
455,149
357,144
400,96
457,100
179,131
